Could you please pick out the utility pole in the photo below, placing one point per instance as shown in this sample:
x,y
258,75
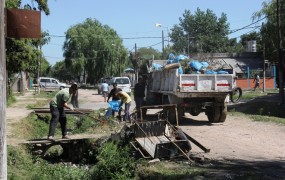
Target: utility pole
x,y
162,36
280,54
188,44
137,63
264,86
3,95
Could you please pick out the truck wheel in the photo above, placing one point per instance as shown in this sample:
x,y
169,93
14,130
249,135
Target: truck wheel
x,y
217,114
223,115
194,111
236,94
213,114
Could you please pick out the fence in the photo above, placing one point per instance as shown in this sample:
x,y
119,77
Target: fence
x,y
246,82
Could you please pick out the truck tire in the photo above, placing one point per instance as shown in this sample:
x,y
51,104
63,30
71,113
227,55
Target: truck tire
x,y
194,111
223,116
236,94
217,114
213,114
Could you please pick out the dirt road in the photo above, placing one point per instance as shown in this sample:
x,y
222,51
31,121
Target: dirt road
x,y
238,138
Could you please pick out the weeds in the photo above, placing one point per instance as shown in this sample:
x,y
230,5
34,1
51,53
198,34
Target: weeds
x,y
247,95
21,165
261,118
11,100
37,125
114,162
169,170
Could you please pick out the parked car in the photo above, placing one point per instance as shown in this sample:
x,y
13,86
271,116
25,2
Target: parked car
x,y
51,83
108,81
123,83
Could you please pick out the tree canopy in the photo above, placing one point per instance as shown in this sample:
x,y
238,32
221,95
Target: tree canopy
x,y
202,32
95,49
269,29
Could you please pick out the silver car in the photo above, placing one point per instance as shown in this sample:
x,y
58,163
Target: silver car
x,y
51,83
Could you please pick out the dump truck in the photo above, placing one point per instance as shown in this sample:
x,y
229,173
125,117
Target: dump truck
x,y
192,93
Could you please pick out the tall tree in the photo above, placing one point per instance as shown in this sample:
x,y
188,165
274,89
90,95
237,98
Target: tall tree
x,y
99,46
201,32
268,30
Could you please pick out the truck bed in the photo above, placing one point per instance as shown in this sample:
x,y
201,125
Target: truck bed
x,y
169,81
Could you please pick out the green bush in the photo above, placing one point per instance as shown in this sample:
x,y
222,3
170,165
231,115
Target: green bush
x,y
81,124
114,162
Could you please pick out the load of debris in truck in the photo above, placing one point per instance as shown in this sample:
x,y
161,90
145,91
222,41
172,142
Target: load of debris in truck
x,y
186,65
194,86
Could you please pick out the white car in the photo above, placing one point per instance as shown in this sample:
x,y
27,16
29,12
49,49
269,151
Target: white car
x,y
123,83
51,83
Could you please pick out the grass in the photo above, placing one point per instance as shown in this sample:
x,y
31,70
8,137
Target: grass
x,y
42,99
22,165
260,110
114,162
261,118
36,125
11,100
169,170
247,95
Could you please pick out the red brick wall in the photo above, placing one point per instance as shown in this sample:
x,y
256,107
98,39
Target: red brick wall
x,y
243,83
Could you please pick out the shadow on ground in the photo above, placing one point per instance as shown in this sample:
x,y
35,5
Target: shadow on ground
x,y
240,169
268,105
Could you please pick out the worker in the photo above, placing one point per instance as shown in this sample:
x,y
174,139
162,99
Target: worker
x,y
114,97
125,98
105,90
139,95
74,97
256,82
57,105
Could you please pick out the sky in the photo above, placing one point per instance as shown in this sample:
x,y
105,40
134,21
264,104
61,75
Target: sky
x,y
134,19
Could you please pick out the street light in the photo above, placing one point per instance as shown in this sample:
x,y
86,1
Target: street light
x,y
160,25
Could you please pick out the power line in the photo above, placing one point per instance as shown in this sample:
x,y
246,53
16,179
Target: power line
x,y
155,37
248,32
148,37
235,30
